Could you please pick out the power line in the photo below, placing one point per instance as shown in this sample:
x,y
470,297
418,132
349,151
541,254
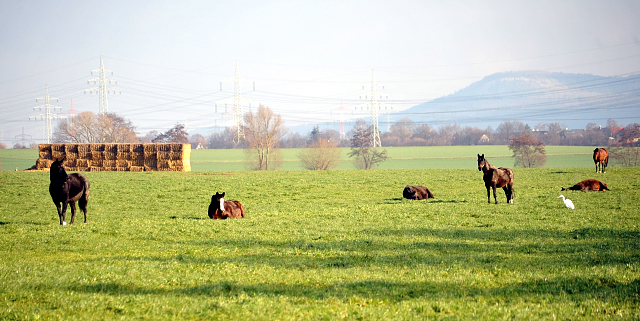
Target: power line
x,y
102,88
47,116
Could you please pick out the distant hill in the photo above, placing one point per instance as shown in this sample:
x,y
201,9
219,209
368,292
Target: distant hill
x,y
534,97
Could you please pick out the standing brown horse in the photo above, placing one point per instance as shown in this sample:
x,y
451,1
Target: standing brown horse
x,y
67,190
601,158
496,177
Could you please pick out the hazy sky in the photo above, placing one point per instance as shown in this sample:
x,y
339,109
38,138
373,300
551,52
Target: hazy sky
x,y
306,57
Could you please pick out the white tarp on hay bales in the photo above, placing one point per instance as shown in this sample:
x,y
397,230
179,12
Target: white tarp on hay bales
x,y
117,157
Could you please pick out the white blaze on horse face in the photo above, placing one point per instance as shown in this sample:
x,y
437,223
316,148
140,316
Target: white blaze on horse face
x,y
222,204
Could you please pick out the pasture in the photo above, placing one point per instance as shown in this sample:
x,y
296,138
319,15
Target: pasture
x,y
323,245
419,157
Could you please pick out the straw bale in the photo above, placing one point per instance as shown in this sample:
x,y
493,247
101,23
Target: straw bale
x,y
96,155
109,155
123,148
136,168
97,147
57,154
71,169
123,163
45,154
137,148
149,169
151,163
179,169
162,155
122,169
109,163
164,147
139,161
177,147
43,163
81,162
71,155
164,164
83,169
57,148
44,147
150,148
71,148
111,148
96,169
69,162
84,151
178,162
109,169
124,155
96,162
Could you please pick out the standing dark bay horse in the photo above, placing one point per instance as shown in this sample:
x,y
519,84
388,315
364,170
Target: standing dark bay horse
x,y
221,209
68,189
601,158
496,177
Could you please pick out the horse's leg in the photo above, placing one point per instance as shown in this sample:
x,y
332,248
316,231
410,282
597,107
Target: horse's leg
x,y
494,194
82,203
64,213
73,211
59,212
489,193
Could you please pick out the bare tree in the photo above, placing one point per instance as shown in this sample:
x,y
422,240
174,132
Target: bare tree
x,y
508,129
403,129
322,154
528,151
263,131
366,156
88,127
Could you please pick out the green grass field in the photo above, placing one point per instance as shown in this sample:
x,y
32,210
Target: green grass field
x,y
431,157
323,245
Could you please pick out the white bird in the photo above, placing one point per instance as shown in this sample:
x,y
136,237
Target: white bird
x,y
567,202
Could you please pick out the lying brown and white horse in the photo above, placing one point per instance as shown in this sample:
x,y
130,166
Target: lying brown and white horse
x,y
496,177
221,209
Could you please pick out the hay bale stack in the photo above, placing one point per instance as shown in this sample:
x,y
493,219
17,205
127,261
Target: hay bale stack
x,y
117,157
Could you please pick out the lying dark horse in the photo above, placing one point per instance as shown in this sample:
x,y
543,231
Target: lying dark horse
x,y
68,189
601,158
496,177
221,209
417,192
588,185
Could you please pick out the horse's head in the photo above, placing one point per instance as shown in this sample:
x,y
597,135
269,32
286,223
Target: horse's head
x,y
57,170
481,161
218,199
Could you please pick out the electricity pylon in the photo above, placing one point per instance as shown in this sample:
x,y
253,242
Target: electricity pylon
x,y
342,119
47,116
375,106
23,140
102,88
237,101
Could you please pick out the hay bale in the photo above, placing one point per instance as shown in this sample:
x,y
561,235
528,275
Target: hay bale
x,y
137,149
57,151
97,147
109,155
123,148
163,155
71,148
164,164
164,147
84,151
97,155
69,162
96,162
71,155
151,163
44,151
124,156
109,163
123,163
81,162
95,169
136,168
111,148
83,169
138,161
43,163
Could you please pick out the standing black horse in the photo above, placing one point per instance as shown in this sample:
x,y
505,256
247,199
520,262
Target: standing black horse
x,y
68,189
496,177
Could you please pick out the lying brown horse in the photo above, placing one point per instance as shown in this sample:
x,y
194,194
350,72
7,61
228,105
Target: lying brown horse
x,y
601,158
496,177
588,185
221,209
67,190
417,192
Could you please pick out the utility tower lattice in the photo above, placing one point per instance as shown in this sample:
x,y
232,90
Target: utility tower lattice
x,y
47,116
237,101
102,88
375,106
342,119
23,140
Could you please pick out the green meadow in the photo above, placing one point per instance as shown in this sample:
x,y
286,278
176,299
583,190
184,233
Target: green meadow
x,y
327,245
429,157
